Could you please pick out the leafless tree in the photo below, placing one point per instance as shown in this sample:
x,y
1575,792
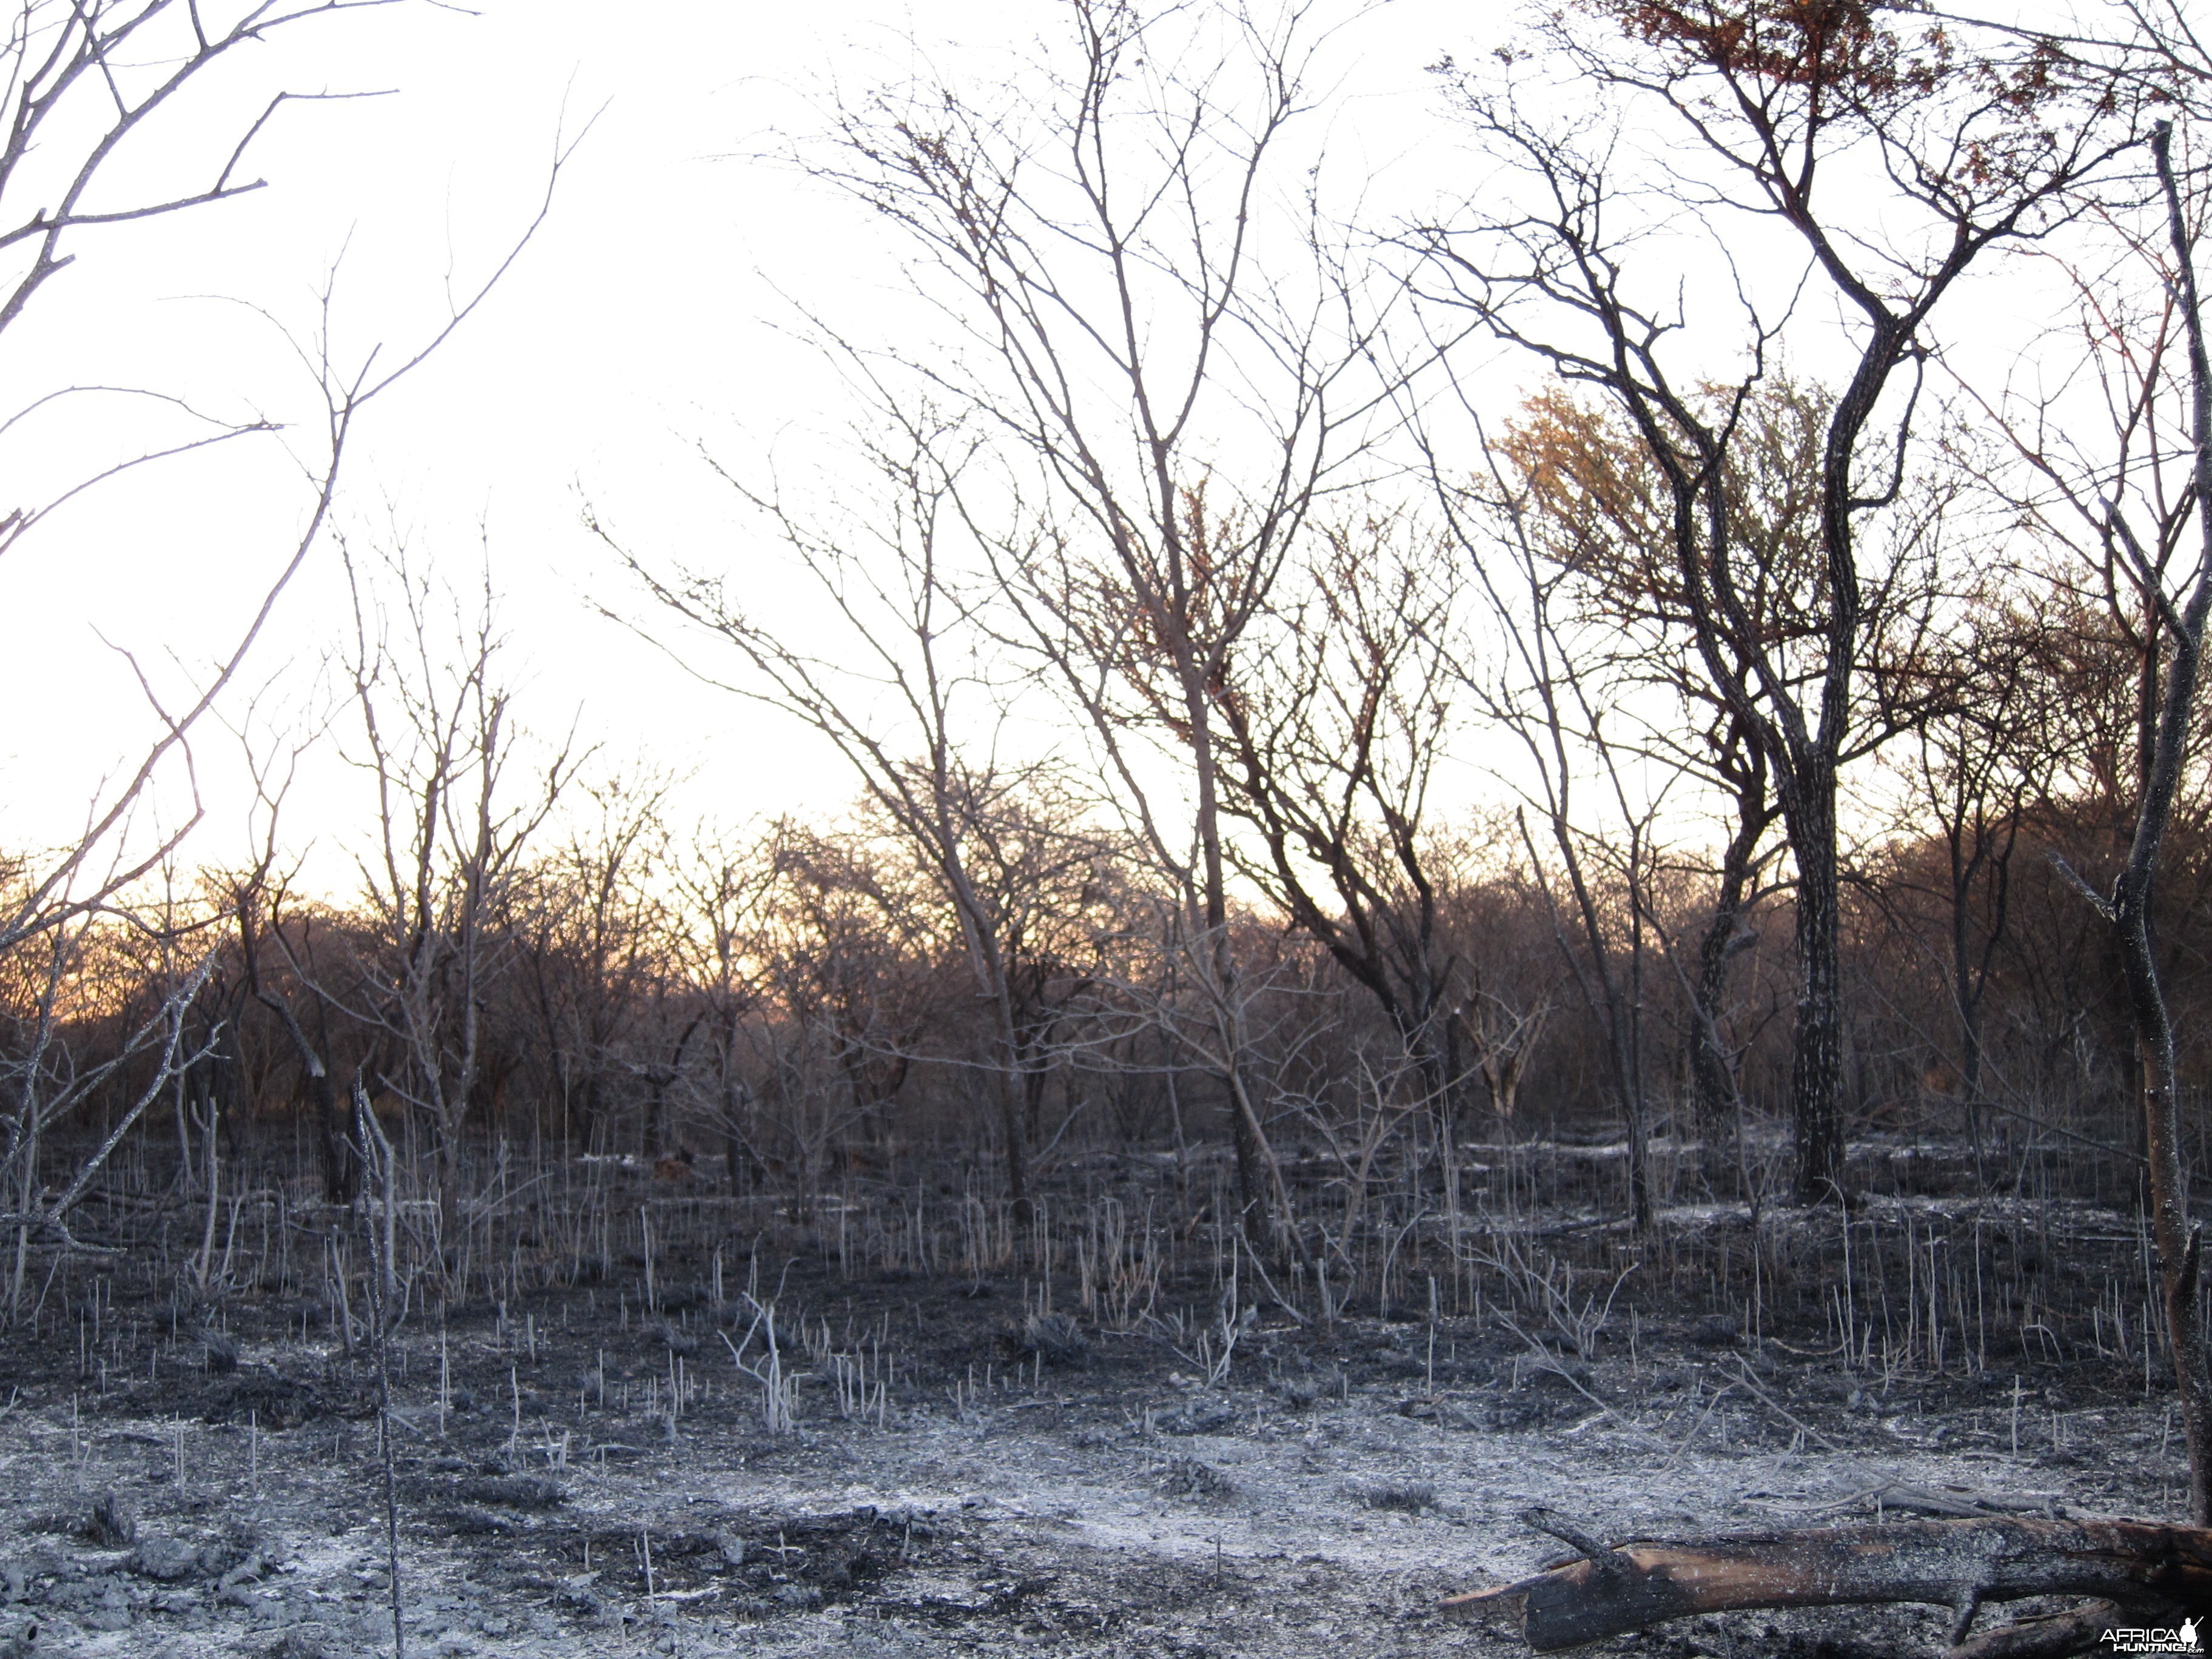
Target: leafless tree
x,y
1986,753
1173,367
1547,689
599,943
857,929
87,94
904,691
259,898
1802,118
1573,487
455,810
725,887
2127,497
1343,708
46,1083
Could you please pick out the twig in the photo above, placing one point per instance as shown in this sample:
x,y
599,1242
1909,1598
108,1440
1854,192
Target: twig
x,y
1551,1363
1555,1525
1281,1301
1743,1377
376,1157
1696,1428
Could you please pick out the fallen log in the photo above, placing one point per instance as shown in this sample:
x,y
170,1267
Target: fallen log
x,y
1962,1564
2056,1635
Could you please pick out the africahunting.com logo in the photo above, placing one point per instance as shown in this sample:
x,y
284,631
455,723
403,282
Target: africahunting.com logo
x,y
2124,1638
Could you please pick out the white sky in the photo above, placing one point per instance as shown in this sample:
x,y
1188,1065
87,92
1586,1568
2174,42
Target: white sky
x,y
646,319
648,316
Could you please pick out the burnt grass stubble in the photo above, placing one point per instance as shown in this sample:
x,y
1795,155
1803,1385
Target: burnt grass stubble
x,y
184,1475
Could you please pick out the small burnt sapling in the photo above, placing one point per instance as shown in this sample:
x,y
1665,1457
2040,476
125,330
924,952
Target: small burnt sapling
x,y
1053,1338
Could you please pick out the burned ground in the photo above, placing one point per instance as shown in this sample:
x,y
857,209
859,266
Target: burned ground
x,y
979,1464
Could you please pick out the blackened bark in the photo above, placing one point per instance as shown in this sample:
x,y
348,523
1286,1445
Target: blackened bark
x,y
1792,689
2177,1238
340,1162
1012,1100
341,1168
1712,1069
1712,1077
1816,1064
1965,1562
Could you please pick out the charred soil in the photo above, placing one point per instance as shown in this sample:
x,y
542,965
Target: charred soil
x,y
953,1461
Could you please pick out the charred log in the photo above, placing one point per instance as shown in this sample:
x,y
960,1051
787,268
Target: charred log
x,y
2140,1568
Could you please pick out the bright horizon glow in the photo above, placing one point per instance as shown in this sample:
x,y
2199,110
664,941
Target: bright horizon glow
x,y
653,316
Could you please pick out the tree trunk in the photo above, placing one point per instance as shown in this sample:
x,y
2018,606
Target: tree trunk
x,y
1011,1088
2177,1239
1816,1067
341,1168
1956,1564
1251,1193
1712,1072
737,1098
341,1165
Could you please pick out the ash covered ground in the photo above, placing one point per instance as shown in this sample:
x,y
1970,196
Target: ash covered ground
x,y
960,1477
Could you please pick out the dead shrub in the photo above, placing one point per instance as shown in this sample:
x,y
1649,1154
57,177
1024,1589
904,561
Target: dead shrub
x,y
1055,1336
1406,1496
1192,1477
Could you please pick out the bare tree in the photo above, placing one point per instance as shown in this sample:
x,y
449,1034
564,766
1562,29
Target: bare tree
x,y
1573,488
2130,499
857,930
1342,710
1985,755
46,1083
1804,117
259,900
724,889
2182,599
87,92
1550,692
905,693
1171,371
598,944
455,810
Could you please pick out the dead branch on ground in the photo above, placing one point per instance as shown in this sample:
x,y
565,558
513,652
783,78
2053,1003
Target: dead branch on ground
x,y
2138,1570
